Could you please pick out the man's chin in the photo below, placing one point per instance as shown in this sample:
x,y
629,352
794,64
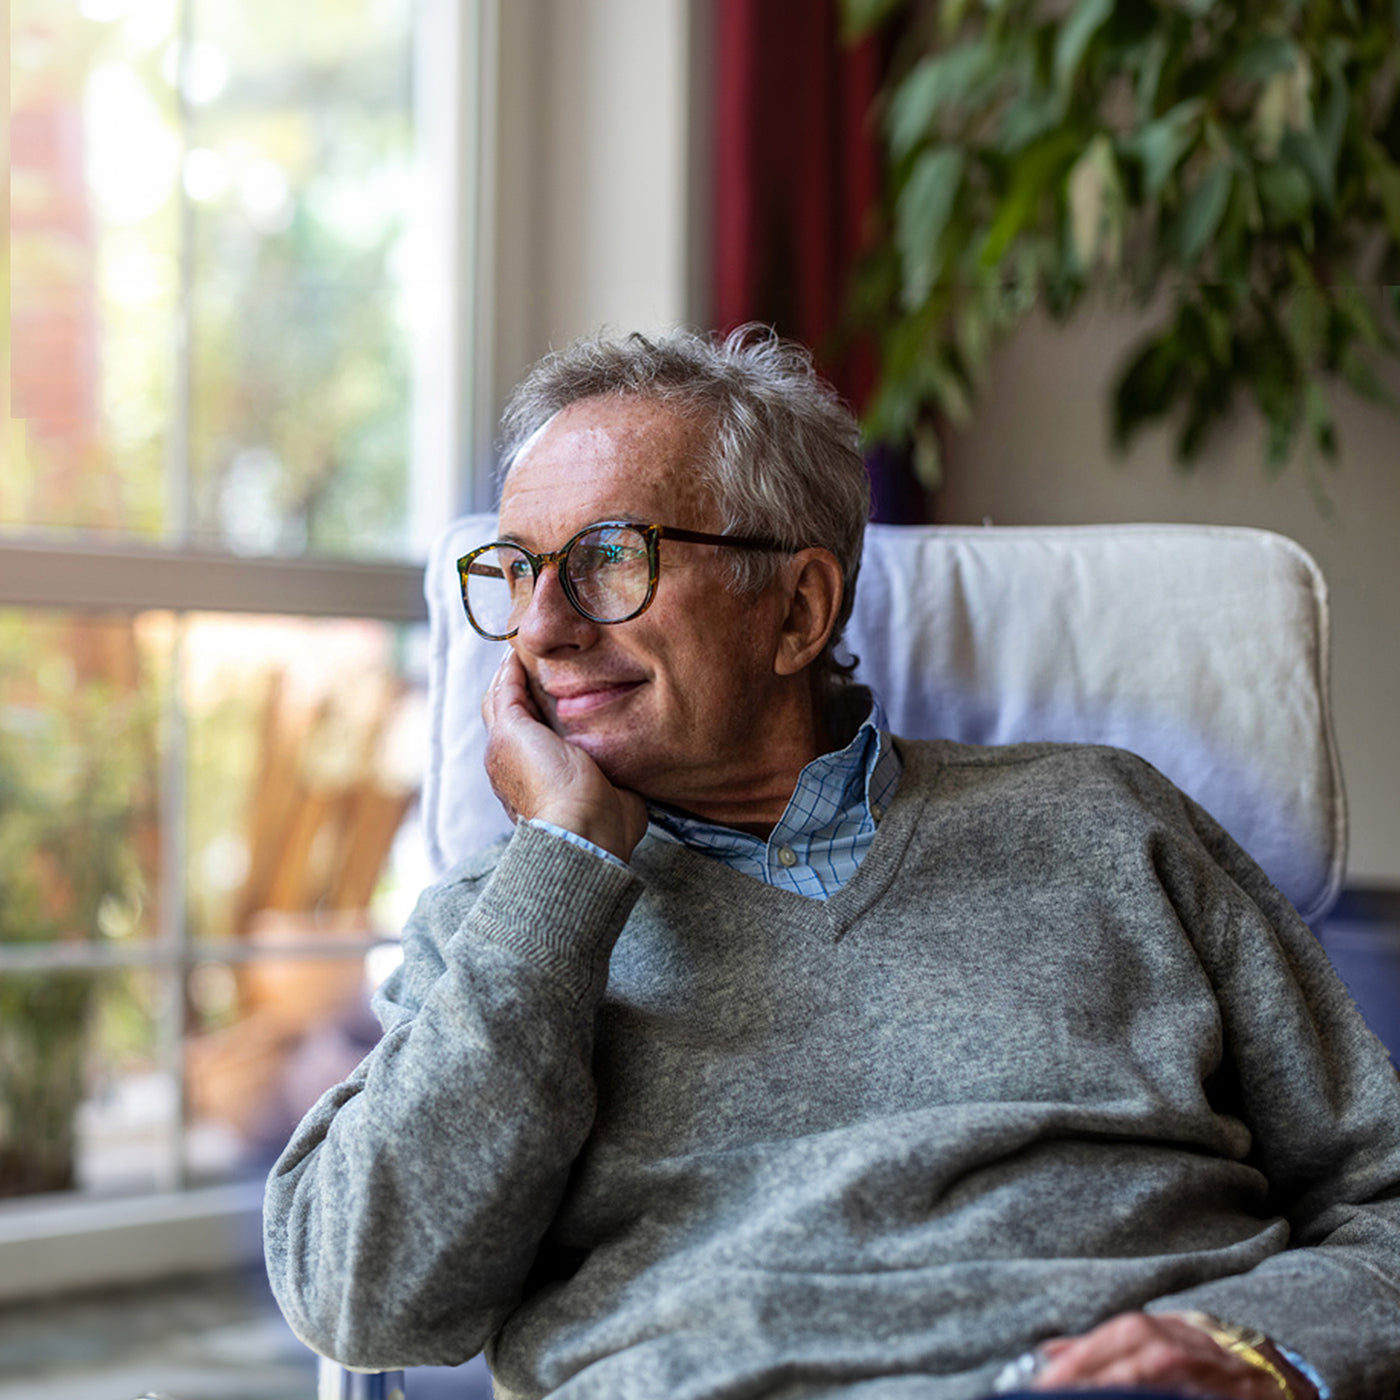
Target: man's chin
x,y
621,765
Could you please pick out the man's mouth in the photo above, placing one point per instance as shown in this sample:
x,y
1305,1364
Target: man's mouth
x,y
577,700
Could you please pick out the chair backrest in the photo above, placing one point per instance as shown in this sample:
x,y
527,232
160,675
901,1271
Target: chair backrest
x,y
1202,648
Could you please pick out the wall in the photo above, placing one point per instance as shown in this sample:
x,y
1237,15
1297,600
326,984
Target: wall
x,y
1038,453
595,211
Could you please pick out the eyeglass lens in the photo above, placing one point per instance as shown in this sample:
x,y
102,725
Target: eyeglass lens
x,y
607,569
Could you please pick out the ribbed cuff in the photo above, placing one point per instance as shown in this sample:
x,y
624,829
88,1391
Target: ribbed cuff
x,y
559,905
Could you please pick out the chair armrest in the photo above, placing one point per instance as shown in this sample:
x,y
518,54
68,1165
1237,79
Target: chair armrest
x,y
334,1382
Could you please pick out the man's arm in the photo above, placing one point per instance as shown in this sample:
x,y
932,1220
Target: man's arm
x,y
403,1217
1322,1102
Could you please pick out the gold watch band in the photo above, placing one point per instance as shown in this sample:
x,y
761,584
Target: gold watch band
x,y
1243,1342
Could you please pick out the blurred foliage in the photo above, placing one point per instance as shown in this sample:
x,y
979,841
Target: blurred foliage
x,y
77,807
301,387
214,289
77,788
1233,167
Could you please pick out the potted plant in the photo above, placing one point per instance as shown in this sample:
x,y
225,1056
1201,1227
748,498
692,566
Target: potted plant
x,y
75,796
1233,169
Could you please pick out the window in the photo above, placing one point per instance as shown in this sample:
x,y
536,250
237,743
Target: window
x,y
225,455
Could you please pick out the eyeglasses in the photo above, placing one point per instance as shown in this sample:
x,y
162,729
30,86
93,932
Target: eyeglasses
x,y
608,572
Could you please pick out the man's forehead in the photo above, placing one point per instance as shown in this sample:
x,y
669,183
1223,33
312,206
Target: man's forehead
x,y
614,440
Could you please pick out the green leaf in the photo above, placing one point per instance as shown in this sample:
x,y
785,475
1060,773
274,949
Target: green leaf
x,y
1146,388
1204,208
1285,192
1319,418
894,410
1264,56
1386,179
1161,144
1365,381
1332,128
973,333
922,211
948,389
933,85
1273,379
1029,118
1034,173
950,17
928,456
1284,104
1094,196
1317,150
1354,317
1149,77
1306,323
1076,33
1305,150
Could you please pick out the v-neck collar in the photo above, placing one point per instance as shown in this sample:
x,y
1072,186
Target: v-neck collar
x,y
668,862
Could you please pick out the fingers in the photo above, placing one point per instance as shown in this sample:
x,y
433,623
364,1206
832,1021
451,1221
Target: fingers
x,y
537,773
509,688
518,747
1138,1349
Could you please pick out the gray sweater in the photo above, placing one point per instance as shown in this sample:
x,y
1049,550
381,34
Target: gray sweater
x,y
1056,1051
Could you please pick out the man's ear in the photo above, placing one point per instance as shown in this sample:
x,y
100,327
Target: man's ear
x,y
814,577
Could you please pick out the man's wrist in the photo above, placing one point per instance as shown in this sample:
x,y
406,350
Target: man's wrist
x,y
614,826
574,839
1257,1350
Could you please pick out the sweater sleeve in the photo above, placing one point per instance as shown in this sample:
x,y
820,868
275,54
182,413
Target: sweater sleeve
x,y
1322,1103
401,1220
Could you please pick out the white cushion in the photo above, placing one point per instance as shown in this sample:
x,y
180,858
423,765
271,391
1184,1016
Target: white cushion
x,y
1202,648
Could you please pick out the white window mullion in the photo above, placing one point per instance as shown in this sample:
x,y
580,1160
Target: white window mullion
x,y
172,933
122,578
450,307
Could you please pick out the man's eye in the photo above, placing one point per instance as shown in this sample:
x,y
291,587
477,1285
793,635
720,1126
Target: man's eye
x,y
595,556
614,554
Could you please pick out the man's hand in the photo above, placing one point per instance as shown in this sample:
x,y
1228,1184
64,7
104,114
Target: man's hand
x,y
1161,1351
535,773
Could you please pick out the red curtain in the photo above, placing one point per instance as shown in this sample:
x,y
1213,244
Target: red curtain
x,y
797,171
797,182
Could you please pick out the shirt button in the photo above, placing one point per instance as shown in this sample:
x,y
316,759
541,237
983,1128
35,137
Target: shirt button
x,y
877,812
787,857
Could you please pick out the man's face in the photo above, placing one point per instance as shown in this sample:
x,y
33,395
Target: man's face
x,y
672,703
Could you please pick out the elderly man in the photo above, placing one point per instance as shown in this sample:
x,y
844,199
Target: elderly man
x,y
774,1056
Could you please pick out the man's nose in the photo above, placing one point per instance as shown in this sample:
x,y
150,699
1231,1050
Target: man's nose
x,y
550,620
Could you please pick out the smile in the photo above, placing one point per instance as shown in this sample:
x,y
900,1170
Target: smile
x,y
580,702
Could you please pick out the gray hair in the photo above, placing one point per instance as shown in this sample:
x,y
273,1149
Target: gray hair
x,y
784,458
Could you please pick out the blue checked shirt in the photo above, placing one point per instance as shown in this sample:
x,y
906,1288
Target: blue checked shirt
x,y
825,830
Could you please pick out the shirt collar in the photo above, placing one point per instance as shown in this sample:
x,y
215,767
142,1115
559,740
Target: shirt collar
x,y
858,778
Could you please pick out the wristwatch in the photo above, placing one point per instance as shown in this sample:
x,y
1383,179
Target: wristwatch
x,y
1243,1342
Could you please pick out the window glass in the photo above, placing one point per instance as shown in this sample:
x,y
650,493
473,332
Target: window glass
x,y
210,203
299,174
85,1098
81,737
299,744
305,753
207,822
94,271
269,1037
